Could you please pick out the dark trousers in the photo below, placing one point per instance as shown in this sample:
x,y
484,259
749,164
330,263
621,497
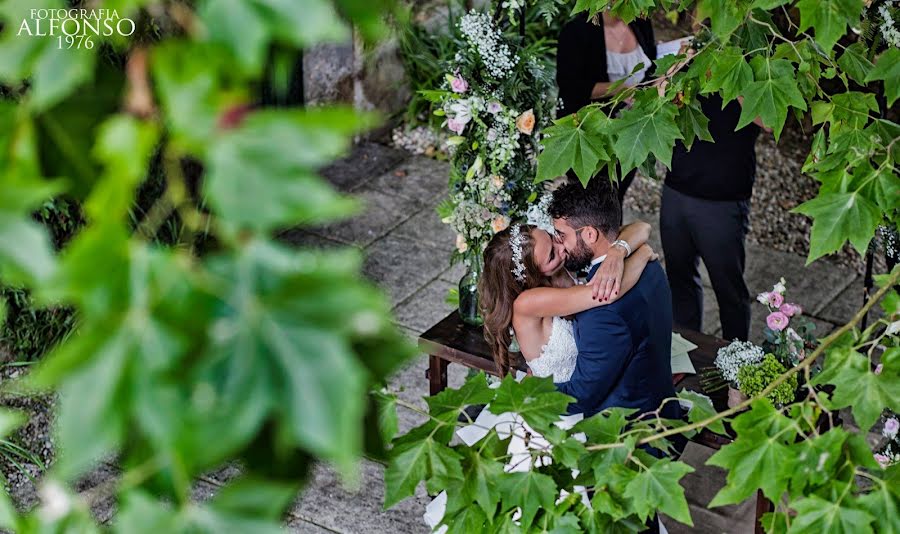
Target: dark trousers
x,y
714,231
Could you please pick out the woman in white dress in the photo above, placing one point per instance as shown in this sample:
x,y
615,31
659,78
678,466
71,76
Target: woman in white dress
x,y
526,290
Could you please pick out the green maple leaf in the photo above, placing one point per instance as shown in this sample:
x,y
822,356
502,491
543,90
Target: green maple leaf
x,y
729,73
693,124
845,110
530,490
447,404
857,386
855,62
577,142
829,18
817,459
657,488
838,217
479,481
883,502
887,68
753,461
880,185
771,94
725,15
535,399
701,409
423,460
763,417
466,520
815,514
648,127
605,427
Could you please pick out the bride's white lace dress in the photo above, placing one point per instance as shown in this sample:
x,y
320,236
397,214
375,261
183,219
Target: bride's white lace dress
x,y
558,356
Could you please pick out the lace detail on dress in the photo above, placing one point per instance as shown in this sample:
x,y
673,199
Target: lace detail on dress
x,y
558,356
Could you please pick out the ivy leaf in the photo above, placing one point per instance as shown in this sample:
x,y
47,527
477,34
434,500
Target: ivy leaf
x,y
879,185
578,142
858,387
701,409
729,73
657,488
725,15
648,127
480,475
535,399
763,417
388,423
532,491
855,62
771,94
753,461
447,404
838,217
693,124
829,18
883,502
466,520
256,166
887,68
815,514
817,459
426,460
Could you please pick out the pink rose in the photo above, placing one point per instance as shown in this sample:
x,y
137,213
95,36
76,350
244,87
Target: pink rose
x,y
891,426
882,460
775,300
777,321
790,309
456,126
878,369
459,85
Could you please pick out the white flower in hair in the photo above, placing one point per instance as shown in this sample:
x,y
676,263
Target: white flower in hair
x,y
515,242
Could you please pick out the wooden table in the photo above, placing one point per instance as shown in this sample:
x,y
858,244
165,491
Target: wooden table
x,y
452,341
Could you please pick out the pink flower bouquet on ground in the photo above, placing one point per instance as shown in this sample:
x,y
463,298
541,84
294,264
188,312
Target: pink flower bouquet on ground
x,y
787,334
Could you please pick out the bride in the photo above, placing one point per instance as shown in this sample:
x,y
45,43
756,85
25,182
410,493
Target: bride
x,y
526,290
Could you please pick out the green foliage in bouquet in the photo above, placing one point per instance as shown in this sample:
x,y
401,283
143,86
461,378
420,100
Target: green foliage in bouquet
x,y
754,378
496,95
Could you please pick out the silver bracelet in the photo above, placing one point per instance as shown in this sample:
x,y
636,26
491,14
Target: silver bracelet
x,y
624,244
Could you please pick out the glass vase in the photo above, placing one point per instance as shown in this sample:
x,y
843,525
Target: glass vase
x,y
468,293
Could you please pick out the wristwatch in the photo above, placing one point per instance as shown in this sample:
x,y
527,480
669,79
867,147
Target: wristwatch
x,y
624,244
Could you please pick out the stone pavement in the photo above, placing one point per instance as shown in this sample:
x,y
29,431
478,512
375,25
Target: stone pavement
x,y
408,249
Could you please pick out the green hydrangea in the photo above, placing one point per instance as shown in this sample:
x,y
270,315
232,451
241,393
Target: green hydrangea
x,y
754,378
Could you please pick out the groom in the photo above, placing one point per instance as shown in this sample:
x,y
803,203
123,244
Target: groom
x,y
624,348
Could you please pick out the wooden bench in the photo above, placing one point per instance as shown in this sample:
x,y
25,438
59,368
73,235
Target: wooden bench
x,y
453,341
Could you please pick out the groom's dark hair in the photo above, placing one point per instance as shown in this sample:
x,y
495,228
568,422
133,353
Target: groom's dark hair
x,y
597,205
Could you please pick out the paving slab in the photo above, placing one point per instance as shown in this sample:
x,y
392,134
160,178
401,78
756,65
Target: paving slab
x,y
418,178
296,525
402,266
299,237
426,226
365,161
426,307
844,306
382,213
335,507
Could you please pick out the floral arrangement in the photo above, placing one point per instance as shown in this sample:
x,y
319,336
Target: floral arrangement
x,y
889,454
496,97
730,359
753,378
749,368
787,335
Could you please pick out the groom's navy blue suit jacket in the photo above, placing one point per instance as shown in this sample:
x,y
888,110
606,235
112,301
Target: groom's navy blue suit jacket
x,y
625,350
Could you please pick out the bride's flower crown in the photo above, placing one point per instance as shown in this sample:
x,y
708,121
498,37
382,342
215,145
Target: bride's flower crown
x,y
515,242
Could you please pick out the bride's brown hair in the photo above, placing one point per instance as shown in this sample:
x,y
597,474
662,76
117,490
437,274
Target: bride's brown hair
x,y
498,289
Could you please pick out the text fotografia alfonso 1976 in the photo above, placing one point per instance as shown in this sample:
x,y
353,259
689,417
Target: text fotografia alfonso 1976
x,y
75,27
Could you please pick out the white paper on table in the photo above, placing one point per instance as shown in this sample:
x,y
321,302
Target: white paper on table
x,y
681,363
670,48
679,344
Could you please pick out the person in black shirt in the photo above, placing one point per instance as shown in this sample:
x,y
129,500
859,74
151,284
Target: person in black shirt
x,y
705,215
592,54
